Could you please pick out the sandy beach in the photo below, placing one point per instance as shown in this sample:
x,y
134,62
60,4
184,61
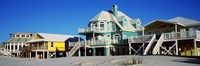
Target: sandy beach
x,y
100,61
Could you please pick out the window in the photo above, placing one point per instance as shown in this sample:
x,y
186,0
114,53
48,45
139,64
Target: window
x,y
23,35
116,38
27,35
108,27
125,24
13,35
113,27
17,35
101,25
51,44
187,29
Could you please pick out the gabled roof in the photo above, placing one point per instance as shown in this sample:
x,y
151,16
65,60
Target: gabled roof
x,y
103,15
22,33
134,21
178,20
184,21
18,40
51,37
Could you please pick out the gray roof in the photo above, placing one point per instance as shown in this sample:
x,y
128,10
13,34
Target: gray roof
x,y
134,21
104,15
22,33
51,37
179,20
184,21
18,40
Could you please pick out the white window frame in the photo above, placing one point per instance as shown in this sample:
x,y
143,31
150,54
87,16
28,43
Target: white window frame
x,y
114,27
125,25
102,23
116,41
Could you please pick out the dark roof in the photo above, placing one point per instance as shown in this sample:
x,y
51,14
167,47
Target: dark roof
x,y
75,39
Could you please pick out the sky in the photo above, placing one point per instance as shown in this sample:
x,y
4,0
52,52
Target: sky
x,y
66,16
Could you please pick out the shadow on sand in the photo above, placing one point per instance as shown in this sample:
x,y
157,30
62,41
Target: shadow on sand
x,y
189,59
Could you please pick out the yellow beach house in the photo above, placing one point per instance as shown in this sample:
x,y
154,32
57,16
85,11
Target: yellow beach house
x,y
45,45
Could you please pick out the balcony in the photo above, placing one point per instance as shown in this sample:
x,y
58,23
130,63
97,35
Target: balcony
x,y
93,43
182,35
139,39
90,29
38,48
167,36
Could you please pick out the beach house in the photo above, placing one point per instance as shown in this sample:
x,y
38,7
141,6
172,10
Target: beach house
x,y
176,36
45,45
17,41
107,33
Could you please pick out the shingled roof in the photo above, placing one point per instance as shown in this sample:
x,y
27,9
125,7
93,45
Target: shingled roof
x,y
52,37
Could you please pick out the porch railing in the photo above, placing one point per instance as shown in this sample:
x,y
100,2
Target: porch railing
x,y
91,29
92,42
135,39
181,35
38,48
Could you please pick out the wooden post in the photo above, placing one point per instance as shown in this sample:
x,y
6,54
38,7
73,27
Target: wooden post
x,y
30,54
79,51
143,44
43,50
55,54
129,48
47,54
176,47
85,51
195,48
36,54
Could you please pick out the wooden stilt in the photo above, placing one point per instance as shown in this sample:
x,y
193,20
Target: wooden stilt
x,y
195,48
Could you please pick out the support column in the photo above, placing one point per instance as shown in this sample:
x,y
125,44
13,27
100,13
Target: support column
x,y
36,54
176,27
55,54
94,51
22,44
176,47
43,54
143,44
18,46
30,54
10,47
47,54
106,51
195,48
129,48
79,51
14,46
43,50
85,51
6,46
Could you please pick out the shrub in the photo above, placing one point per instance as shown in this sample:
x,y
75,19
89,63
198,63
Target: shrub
x,y
132,61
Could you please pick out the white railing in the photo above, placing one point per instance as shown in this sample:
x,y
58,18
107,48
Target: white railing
x,y
92,42
135,39
91,29
181,35
156,49
5,52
